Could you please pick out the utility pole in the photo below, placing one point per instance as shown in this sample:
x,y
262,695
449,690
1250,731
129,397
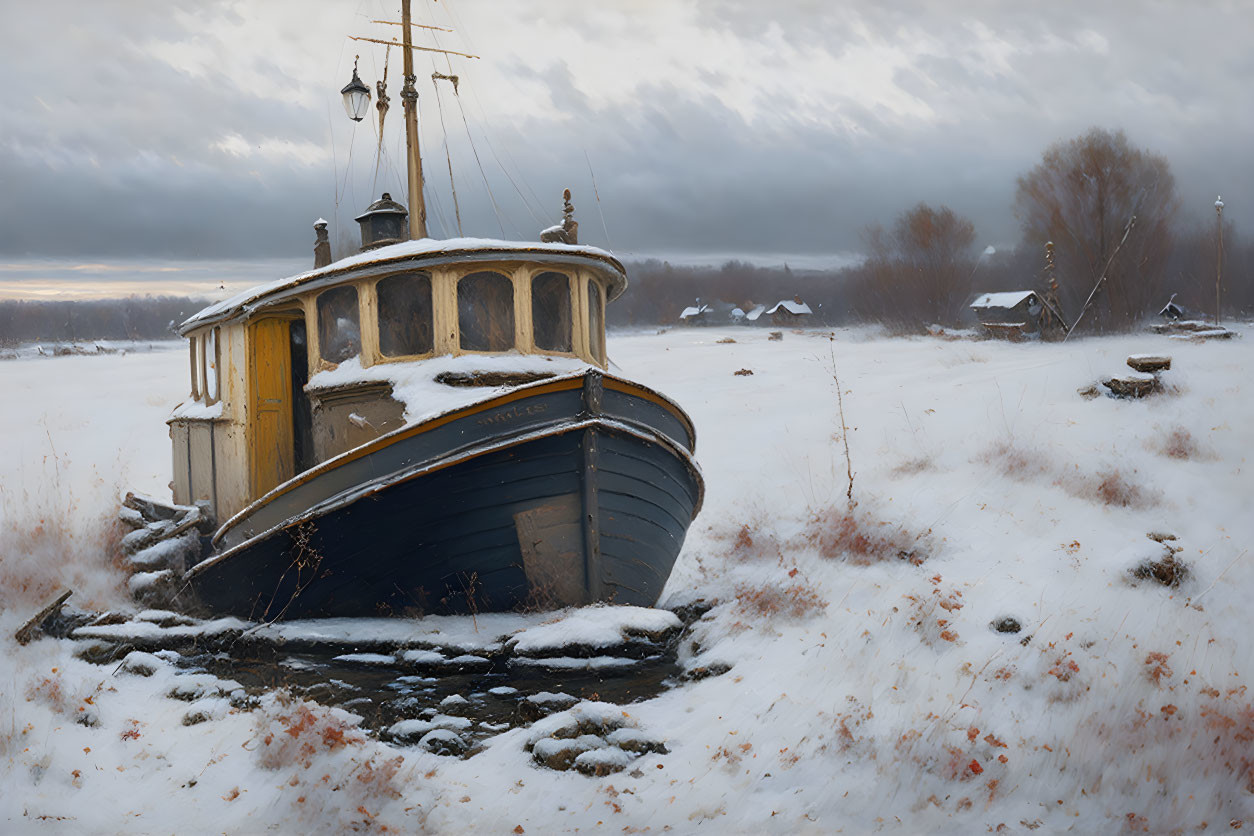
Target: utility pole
x,y
1219,252
409,95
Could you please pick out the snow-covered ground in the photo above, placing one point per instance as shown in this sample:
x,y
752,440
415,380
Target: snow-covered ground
x,y
867,690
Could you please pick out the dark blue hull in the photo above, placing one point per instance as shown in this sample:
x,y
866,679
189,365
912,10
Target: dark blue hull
x,y
578,494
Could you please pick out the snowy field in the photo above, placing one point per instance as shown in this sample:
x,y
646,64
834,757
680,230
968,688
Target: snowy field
x,y
867,689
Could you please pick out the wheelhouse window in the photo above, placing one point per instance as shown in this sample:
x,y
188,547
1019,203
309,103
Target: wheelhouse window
x,y
213,356
339,324
485,312
550,311
193,347
596,322
405,324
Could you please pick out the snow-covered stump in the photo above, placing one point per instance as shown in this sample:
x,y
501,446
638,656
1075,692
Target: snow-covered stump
x,y
1133,385
1149,363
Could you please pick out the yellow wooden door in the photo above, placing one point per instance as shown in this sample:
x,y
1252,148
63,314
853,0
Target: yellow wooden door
x,y
271,444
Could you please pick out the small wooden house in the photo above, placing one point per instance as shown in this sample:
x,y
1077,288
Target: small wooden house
x,y
697,314
1013,314
789,312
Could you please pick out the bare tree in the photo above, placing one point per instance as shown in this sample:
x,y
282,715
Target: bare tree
x,y
919,273
935,246
1082,196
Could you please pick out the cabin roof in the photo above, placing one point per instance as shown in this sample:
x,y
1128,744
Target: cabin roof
x,y
1002,300
697,311
793,306
420,253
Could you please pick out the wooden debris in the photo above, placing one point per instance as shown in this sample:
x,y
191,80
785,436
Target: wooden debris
x,y
725,341
1149,362
743,372
28,630
152,509
776,336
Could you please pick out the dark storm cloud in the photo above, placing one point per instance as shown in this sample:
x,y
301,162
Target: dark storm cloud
x,y
114,147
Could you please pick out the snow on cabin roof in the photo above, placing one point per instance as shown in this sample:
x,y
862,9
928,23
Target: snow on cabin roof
x,y
1002,300
697,311
792,306
757,311
436,250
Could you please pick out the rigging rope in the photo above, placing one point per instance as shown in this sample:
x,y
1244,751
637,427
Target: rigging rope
x,y
598,197
496,210
447,153
382,106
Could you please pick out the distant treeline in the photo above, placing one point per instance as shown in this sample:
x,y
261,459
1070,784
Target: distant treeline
x,y
132,318
893,292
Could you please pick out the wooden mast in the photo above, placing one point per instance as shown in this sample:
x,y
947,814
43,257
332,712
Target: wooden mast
x,y
409,96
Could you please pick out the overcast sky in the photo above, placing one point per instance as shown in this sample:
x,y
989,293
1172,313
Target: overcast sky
x,y
159,143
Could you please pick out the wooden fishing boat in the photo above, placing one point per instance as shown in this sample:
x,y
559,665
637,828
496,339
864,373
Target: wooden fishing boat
x,y
549,483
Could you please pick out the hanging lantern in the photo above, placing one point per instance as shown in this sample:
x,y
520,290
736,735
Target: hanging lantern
x,y
356,97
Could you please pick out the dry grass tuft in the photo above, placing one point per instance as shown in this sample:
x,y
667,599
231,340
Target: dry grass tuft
x,y
796,600
933,615
857,537
753,541
911,467
296,731
1114,488
52,538
1110,486
1017,461
1157,669
1178,443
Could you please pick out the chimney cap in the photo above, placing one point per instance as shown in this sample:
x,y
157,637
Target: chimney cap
x,y
383,223
383,206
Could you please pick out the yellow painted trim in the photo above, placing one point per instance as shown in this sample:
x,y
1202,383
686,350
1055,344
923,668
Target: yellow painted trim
x,y
368,323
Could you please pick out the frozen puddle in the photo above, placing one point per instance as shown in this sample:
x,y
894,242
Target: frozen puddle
x,y
445,683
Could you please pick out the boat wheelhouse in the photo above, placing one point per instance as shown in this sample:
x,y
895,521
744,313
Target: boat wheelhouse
x,y
428,426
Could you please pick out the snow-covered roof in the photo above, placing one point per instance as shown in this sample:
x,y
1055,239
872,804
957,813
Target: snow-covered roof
x,y
792,306
423,251
757,311
697,311
1002,300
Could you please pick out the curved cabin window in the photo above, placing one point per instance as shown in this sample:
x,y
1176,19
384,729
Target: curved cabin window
x,y
339,325
405,326
596,322
193,346
550,311
485,312
213,356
